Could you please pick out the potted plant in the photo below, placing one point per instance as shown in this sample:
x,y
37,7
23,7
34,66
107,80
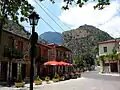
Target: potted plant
x,y
38,81
19,82
62,78
56,78
47,79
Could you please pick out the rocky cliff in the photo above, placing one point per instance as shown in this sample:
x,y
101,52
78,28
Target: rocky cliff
x,y
84,39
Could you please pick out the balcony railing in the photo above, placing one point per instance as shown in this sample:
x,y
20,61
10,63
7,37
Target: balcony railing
x,y
42,59
12,53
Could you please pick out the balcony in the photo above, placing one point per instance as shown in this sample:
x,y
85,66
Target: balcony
x,y
42,59
12,53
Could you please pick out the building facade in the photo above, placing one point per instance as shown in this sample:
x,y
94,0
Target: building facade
x,y
13,49
106,48
15,54
60,53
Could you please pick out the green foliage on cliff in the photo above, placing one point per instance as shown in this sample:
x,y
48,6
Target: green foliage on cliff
x,y
84,40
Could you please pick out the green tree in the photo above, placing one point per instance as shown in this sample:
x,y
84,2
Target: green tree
x,y
88,59
15,10
100,5
76,60
79,62
114,50
102,61
95,50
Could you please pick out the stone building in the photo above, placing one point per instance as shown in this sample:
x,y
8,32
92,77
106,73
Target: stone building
x,y
14,48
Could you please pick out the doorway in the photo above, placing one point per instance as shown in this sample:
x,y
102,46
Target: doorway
x,y
3,71
23,71
14,70
114,67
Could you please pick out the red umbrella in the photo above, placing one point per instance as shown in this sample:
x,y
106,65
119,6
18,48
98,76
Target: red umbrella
x,y
54,63
70,64
63,63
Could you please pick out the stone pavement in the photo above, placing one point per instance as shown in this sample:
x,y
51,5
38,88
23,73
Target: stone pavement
x,y
27,86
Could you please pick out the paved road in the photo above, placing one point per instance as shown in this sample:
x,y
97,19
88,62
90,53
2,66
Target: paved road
x,y
88,81
96,76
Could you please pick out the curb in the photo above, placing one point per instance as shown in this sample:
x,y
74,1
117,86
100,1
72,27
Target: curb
x,y
109,74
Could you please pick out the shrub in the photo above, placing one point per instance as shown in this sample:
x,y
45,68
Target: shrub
x,y
38,81
19,79
56,76
55,80
47,79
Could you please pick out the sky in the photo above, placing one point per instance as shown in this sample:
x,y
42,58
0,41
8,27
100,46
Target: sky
x,y
107,19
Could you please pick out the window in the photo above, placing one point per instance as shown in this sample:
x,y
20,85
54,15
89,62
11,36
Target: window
x,y
57,53
11,41
105,49
64,54
20,45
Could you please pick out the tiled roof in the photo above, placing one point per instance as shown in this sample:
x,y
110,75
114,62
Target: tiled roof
x,y
58,46
43,44
110,41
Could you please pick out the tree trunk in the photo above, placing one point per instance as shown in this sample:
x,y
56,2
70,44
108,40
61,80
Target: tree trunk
x,y
2,21
109,66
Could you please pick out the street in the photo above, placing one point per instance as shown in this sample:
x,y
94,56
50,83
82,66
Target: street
x,y
89,81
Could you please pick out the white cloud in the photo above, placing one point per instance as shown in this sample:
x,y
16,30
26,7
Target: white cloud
x,y
112,27
107,19
32,2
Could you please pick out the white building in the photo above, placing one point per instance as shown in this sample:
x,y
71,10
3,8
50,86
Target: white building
x,y
107,47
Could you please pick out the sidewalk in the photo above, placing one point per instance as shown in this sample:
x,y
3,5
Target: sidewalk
x,y
27,86
110,74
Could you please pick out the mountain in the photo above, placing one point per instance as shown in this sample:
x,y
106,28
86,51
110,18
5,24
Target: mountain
x,y
52,37
42,41
84,39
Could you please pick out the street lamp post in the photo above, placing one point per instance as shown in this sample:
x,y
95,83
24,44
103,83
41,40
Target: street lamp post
x,y
33,18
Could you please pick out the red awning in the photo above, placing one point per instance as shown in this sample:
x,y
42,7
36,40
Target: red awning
x,y
64,64
54,63
70,64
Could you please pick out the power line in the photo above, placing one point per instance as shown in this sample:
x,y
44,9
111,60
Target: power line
x,y
50,26
47,24
48,15
54,15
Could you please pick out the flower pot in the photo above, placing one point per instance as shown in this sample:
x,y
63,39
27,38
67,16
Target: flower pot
x,y
37,82
19,84
55,80
61,79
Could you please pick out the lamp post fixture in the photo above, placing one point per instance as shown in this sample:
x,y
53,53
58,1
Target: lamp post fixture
x,y
33,18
